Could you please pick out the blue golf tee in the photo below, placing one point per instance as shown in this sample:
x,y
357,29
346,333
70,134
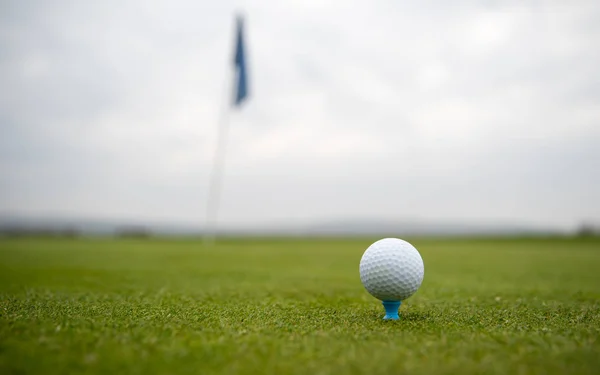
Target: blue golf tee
x,y
391,310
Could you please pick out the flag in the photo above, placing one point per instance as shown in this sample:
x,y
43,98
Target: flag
x,y
241,72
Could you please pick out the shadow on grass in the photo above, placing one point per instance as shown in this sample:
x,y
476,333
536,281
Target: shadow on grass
x,y
405,317
415,316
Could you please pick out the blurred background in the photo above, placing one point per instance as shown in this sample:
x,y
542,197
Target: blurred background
x,y
363,116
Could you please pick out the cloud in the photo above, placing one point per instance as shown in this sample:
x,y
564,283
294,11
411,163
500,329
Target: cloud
x,y
469,110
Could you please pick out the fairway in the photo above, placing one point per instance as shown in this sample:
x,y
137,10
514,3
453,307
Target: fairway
x,y
158,306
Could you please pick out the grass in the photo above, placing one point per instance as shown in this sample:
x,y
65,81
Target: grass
x,y
519,306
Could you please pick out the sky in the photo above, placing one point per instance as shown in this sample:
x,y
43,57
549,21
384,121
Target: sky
x,y
475,111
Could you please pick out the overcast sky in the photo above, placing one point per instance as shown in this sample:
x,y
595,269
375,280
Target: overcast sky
x,y
387,109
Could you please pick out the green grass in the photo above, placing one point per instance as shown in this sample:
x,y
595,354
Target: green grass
x,y
522,306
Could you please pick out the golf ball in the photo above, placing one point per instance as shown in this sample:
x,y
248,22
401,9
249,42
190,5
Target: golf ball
x,y
391,269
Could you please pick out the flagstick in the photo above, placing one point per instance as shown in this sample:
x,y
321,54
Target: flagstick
x,y
216,176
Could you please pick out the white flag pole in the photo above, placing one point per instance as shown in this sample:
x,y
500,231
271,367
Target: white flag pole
x,y
217,174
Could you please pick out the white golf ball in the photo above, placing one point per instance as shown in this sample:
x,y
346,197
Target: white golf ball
x,y
391,269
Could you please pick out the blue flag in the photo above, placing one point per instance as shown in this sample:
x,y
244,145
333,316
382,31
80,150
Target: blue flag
x,y
241,72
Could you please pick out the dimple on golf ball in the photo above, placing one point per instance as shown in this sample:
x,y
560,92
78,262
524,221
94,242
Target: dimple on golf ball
x,y
391,269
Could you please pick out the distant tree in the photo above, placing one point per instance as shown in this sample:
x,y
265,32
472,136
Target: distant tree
x,y
588,230
133,232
